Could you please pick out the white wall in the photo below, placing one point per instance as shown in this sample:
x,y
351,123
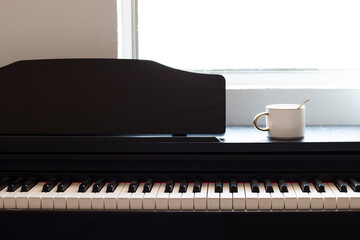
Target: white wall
x,y
37,29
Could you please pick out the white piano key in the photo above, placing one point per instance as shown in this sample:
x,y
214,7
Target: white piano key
x,y
226,198
162,198
354,198
10,199
136,199
3,193
264,198
290,198
277,198
187,198
252,198
303,198
111,198
72,199
85,198
47,200
61,198
316,198
35,198
213,198
22,200
342,198
175,198
329,198
239,197
200,198
149,200
98,199
124,197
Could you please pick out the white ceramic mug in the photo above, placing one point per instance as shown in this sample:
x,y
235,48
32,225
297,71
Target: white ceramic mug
x,y
284,121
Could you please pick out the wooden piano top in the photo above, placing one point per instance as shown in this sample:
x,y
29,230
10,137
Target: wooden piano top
x,y
237,139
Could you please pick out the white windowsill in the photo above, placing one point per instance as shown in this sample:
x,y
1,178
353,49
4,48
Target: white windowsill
x,y
290,79
335,95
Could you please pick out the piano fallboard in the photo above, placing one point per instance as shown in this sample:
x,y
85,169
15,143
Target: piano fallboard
x,y
243,152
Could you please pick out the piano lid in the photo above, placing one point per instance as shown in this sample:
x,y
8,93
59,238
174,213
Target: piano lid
x,y
108,97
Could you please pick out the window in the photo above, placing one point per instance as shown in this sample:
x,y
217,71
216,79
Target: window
x,y
250,34
305,49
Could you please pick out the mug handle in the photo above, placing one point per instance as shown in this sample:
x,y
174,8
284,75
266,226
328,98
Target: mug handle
x,y
255,121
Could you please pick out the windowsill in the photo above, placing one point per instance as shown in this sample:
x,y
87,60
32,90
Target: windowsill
x,y
307,79
334,94
240,86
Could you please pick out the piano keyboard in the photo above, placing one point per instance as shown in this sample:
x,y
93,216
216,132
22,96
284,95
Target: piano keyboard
x,y
177,196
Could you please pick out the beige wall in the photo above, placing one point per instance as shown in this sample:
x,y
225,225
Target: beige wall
x,y
36,29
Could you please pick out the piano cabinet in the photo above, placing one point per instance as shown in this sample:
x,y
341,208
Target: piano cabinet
x,y
326,153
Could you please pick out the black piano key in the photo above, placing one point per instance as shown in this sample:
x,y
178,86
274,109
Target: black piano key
x,y
84,186
64,185
268,186
340,185
233,186
50,185
134,186
29,184
112,186
98,185
218,186
169,187
183,186
283,186
319,186
4,183
304,185
355,185
197,186
15,184
254,185
148,185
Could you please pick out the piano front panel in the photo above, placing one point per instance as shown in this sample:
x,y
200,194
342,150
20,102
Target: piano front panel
x,y
177,225
206,166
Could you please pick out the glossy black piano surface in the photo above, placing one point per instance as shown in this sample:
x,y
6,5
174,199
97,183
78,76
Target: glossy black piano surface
x,y
107,97
243,151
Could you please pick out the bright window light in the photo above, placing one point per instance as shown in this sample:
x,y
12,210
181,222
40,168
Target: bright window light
x,y
250,34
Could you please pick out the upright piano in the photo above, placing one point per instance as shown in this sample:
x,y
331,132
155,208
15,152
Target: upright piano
x,y
132,149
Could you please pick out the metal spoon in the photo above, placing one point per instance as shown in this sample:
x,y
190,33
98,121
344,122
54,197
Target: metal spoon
x,y
304,103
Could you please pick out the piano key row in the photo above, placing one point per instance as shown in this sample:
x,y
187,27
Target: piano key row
x,y
26,185
170,196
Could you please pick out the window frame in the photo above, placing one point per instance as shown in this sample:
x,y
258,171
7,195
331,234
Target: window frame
x,y
127,29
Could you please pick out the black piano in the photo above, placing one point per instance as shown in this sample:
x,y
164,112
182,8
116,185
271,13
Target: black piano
x,y
132,149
